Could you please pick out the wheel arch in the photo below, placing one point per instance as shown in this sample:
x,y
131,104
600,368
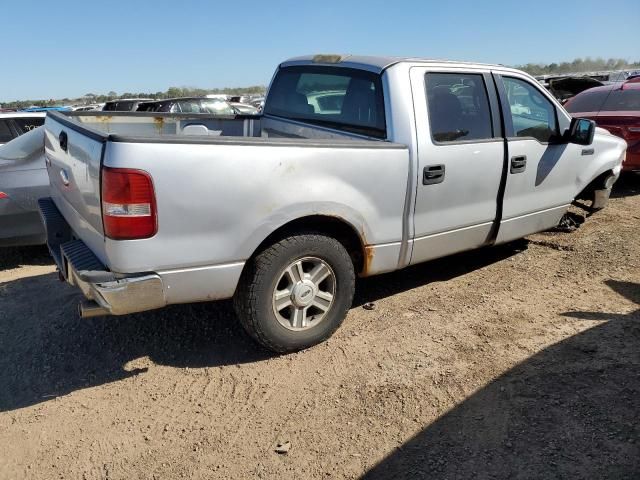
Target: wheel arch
x,y
330,225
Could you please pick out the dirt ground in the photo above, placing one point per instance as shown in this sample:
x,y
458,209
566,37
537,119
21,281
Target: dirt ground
x,y
520,361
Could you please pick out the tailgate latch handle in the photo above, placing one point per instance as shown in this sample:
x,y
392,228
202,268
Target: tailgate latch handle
x,y
64,140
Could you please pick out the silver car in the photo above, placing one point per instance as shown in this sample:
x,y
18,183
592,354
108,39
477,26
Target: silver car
x,y
23,179
357,166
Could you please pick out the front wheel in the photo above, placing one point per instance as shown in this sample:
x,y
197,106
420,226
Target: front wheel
x,y
296,293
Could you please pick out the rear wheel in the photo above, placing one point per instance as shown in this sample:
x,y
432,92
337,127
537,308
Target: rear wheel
x,y
296,293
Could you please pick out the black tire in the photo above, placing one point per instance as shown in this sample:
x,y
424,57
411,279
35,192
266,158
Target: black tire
x,y
253,298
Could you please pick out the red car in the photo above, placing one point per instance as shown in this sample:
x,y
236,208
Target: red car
x,y
616,108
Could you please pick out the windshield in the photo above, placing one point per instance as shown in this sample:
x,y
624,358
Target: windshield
x,y
340,98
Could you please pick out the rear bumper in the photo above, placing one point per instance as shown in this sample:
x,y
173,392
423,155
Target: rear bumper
x,y
116,294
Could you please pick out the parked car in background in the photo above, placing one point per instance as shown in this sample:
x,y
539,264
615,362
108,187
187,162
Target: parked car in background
x,y
189,105
615,108
23,180
218,96
14,124
46,109
281,211
565,88
244,108
88,108
124,104
258,102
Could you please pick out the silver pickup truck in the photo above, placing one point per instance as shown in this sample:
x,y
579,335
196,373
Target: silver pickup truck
x,y
358,166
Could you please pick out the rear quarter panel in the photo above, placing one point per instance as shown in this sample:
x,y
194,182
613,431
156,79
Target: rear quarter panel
x,y
216,203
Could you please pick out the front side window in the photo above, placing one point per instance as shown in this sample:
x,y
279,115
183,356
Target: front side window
x,y
532,114
340,98
458,107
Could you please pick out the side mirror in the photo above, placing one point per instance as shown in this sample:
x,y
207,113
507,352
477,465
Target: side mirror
x,y
581,131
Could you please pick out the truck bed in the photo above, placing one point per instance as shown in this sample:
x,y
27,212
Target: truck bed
x,y
168,126
220,195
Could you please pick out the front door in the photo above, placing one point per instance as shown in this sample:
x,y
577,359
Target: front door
x,y
541,166
460,160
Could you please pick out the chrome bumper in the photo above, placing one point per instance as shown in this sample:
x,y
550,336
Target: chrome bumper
x,y
121,296
113,293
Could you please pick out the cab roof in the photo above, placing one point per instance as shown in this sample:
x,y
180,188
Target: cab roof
x,y
375,64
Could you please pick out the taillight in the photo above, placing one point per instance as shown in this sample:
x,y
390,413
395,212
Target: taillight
x,y
3,195
128,204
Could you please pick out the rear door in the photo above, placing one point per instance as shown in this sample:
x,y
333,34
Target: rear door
x,y
460,158
541,167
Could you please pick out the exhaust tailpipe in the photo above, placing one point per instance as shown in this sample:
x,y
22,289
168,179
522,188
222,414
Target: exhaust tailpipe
x,y
91,309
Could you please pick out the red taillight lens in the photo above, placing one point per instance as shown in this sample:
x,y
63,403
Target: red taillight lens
x,y
128,204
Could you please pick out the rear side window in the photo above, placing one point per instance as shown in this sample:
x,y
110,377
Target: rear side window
x,y
587,102
27,124
345,99
5,132
120,106
458,107
532,114
622,100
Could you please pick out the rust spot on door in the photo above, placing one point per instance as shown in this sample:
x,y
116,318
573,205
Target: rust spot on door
x,y
158,122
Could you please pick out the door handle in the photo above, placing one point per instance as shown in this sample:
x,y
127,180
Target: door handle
x,y
64,140
433,174
518,164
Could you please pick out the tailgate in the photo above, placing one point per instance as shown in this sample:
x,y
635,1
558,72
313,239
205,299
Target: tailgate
x,y
73,157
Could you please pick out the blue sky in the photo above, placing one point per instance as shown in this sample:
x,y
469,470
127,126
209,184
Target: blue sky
x,y
69,47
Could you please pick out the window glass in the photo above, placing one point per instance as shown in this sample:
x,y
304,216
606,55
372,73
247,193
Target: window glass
x,y
458,107
120,106
586,101
533,114
622,100
340,98
5,132
217,107
189,106
27,124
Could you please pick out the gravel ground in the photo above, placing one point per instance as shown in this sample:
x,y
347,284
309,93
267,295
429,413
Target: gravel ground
x,y
519,361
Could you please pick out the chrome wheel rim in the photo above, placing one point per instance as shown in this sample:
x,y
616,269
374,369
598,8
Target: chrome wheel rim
x,y
304,293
